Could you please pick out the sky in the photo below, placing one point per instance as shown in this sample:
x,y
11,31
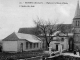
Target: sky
x,y
13,16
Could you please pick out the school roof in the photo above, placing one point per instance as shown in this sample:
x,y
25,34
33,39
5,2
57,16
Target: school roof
x,y
20,36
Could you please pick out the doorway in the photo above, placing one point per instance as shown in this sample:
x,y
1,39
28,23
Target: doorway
x,y
71,44
57,47
0,48
21,47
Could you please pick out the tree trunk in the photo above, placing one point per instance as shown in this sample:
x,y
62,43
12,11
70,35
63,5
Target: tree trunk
x,y
47,45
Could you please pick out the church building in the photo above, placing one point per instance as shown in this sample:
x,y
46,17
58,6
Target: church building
x,y
76,25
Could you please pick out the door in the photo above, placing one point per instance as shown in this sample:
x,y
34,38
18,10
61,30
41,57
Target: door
x,y
60,47
71,44
21,47
57,47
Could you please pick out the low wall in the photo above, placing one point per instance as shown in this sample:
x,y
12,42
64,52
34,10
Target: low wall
x,y
64,58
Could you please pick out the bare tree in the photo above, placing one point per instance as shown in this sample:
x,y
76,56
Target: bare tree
x,y
46,28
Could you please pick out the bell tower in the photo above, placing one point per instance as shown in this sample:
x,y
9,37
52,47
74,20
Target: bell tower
x,y
76,25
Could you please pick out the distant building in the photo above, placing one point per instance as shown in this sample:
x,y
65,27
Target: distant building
x,y
60,41
32,30
18,42
76,25
67,28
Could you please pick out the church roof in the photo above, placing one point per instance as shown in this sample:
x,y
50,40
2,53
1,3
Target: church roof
x,y
77,13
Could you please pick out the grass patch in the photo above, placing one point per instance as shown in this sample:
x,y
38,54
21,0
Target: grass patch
x,y
27,54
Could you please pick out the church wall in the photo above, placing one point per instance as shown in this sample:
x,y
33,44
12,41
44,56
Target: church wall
x,y
77,46
74,23
76,39
77,30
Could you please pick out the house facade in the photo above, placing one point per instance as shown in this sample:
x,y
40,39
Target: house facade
x,y
56,44
18,42
61,41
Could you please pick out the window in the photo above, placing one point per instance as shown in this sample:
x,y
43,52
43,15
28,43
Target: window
x,y
78,23
62,39
34,45
26,45
30,45
62,46
37,44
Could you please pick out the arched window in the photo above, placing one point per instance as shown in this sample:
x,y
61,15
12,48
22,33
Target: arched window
x,y
77,23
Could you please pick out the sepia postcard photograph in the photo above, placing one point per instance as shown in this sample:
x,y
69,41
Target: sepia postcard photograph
x,y
39,29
